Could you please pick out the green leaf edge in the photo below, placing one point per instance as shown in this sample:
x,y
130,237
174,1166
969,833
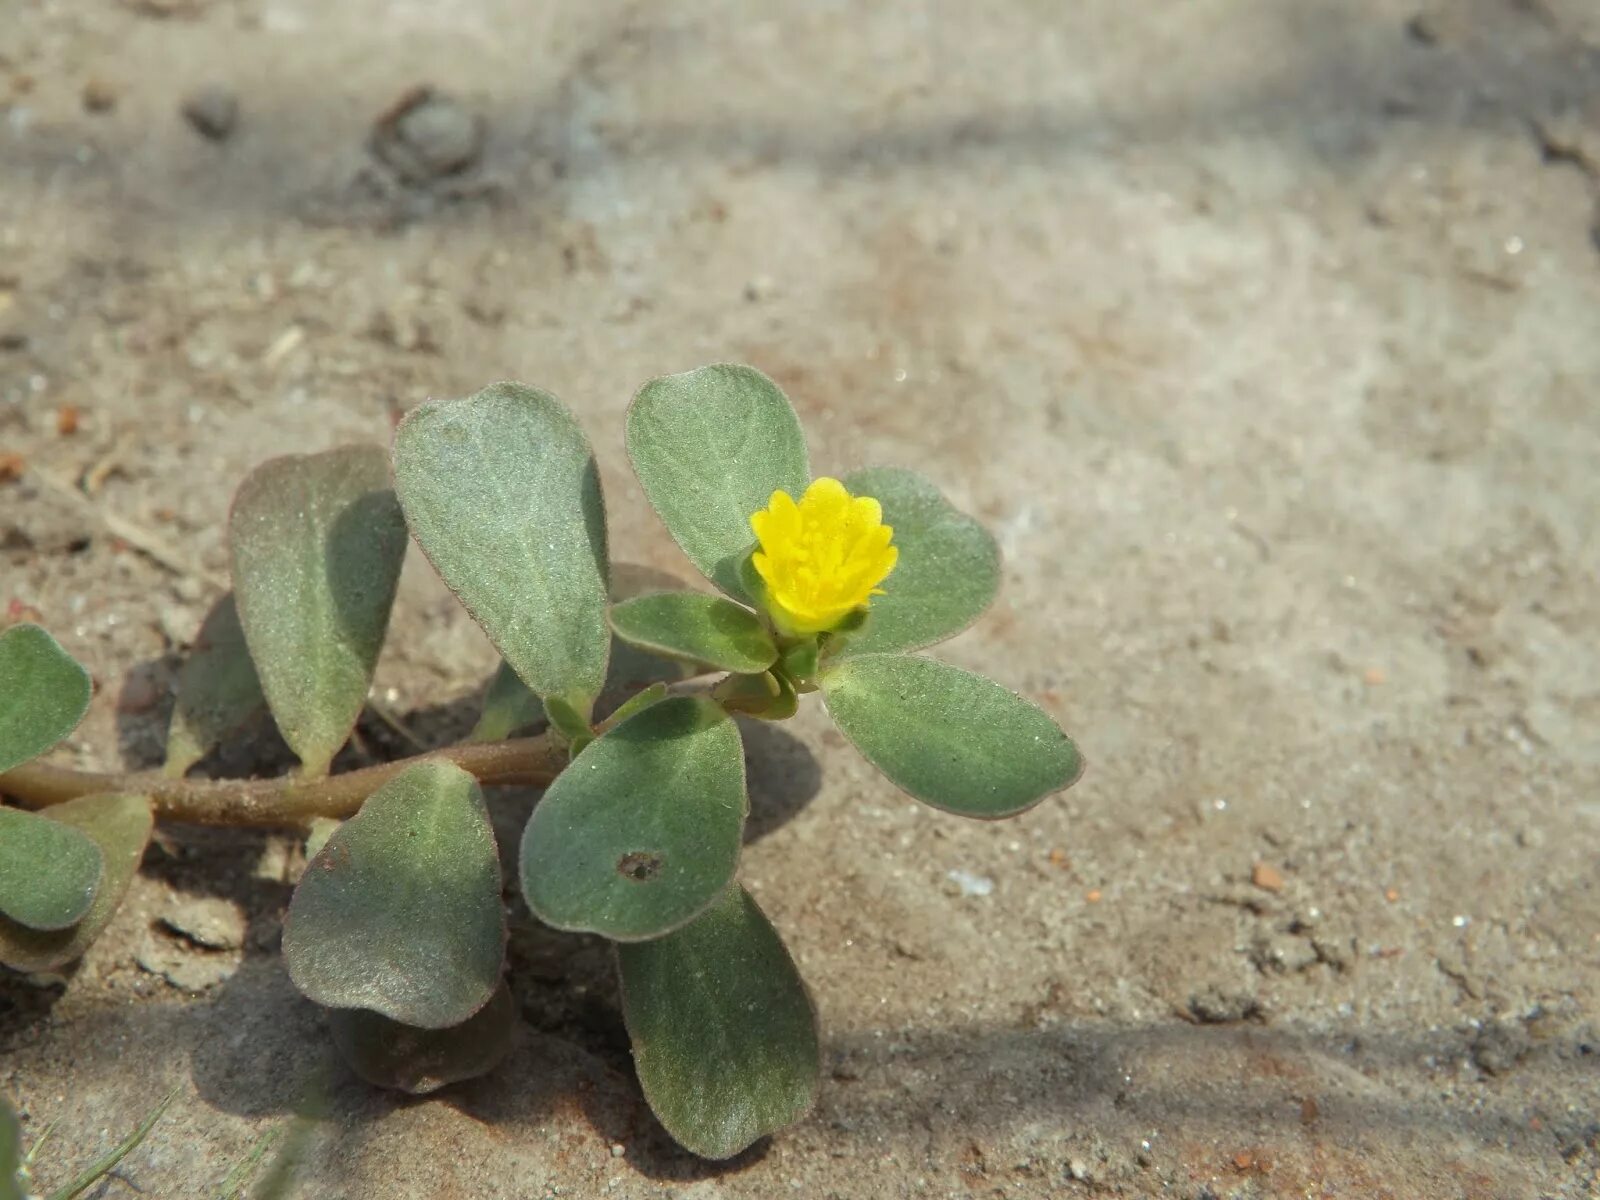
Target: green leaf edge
x,y
845,646
719,1153
69,834
744,789
736,587
61,660
1080,761
575,701
748,666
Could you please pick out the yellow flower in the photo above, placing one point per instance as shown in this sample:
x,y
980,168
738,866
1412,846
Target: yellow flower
x,y
822,558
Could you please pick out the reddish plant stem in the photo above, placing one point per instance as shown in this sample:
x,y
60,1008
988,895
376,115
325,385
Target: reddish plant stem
x,y
288,802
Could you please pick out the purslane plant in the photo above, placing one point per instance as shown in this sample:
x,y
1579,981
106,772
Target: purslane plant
x,y
397,927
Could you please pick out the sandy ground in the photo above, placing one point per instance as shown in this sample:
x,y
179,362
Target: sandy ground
x,y
1263,333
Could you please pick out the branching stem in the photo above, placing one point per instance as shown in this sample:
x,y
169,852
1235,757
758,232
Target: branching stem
x,y
287,802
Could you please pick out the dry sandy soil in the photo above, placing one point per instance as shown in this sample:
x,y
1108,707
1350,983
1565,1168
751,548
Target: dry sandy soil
x,y
1264,334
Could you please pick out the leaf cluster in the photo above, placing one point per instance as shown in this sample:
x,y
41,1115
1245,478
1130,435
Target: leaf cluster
x,y
398,925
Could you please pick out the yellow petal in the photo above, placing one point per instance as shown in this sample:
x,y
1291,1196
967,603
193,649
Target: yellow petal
x,y
785,513
866,511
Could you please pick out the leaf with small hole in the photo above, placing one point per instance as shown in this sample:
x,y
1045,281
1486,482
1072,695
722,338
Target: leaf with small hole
x,y
643,830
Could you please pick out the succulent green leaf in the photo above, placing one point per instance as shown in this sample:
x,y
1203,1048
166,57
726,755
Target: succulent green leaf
x,y
642,831
698,628
49,872
316,542
400,912
508,706
386,1053
710,447
502,493
218,689
953,739
724,1035
947,573
10,1152
43,694
120,827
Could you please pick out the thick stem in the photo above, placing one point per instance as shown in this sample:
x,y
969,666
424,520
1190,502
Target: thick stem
x,y
290,801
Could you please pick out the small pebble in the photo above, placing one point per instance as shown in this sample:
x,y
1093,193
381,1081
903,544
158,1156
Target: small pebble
x,y
1267,877
186,970
213,111
426,135
206,921
99,96
140,693
970,884
178,624
1423,28
1216,1006
1500,1046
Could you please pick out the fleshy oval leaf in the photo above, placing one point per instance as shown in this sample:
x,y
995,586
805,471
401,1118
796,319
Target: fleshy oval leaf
x,y
710,446
49,872
697,628
399,912
724,1035
316,543
120,827
948,571
950,738
418,1061
218,688
502,493
642,831
44,693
